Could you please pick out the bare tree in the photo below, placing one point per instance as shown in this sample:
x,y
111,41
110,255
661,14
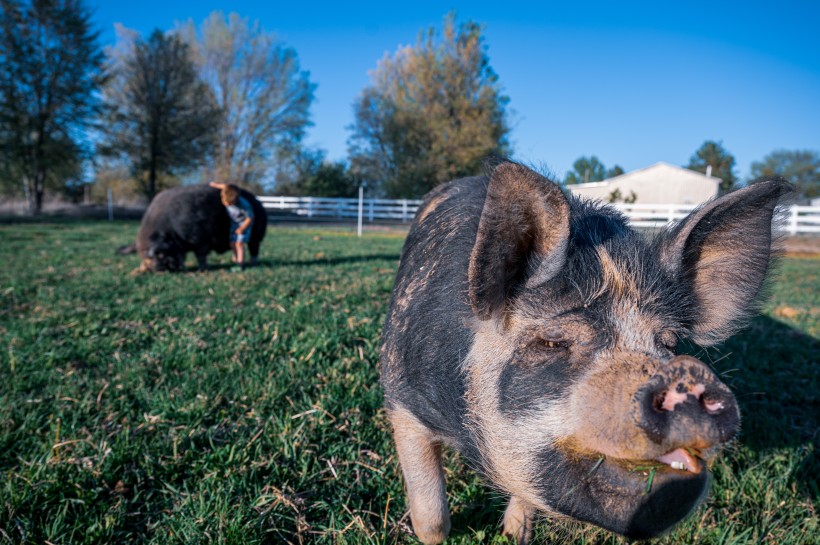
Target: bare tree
x,y
263,95
160,118
50,67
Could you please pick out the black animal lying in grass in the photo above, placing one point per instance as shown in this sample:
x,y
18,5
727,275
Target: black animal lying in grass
x,y
190,219
535,333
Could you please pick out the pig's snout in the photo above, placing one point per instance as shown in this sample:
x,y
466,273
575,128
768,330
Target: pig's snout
x,y
686,406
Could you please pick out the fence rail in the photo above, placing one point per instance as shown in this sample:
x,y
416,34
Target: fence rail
x,y
791,218
801,219
323,207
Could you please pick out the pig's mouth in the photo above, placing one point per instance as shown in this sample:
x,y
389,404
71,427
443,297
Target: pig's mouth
x,y
682,460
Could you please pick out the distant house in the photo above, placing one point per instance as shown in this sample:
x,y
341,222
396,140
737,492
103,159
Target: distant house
x,y
660,183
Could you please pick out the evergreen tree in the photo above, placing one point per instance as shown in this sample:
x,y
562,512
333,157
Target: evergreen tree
x,y
311,174
713,154
586,169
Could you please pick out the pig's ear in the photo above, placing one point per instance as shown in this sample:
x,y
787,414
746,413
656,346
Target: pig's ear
x,y
722,252
522,237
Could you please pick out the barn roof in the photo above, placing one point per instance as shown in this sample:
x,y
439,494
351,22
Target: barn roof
x,y
660,171
658,183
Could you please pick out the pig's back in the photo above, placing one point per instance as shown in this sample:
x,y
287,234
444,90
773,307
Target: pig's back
x,y
425,336
192,215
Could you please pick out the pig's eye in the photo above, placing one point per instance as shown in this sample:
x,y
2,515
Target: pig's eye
x,y
669,341
551,344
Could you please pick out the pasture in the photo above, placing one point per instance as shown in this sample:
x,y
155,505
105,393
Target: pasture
x,y
244,408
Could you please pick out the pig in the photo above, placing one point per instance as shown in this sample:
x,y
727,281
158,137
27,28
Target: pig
x,y
535,334
190,219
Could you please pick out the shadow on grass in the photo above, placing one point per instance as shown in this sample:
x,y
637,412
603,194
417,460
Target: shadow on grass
x,y
773,370
346,260
483,513
276,263
70,217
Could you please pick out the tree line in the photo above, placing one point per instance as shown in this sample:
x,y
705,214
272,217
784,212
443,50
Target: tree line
x,y
227,100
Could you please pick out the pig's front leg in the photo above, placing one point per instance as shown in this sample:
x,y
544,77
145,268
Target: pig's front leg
x,y
202,262
420,459
518,520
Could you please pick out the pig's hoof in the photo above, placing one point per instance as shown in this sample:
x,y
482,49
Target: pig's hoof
x,y
432,533
518,521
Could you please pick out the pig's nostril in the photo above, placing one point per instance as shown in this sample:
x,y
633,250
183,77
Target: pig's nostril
x,y
658,401
712,406
668,399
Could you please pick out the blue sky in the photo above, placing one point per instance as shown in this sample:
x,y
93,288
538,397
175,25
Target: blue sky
x,y
631,82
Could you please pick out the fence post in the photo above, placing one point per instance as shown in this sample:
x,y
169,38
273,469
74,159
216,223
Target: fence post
x,y
404,210
671,216
370,211
361,199
310,207
793,220
110,205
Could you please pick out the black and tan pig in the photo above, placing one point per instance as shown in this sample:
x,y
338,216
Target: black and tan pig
x,y
535,333
190,219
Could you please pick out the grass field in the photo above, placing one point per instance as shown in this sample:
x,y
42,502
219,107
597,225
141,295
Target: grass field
x,y
245,407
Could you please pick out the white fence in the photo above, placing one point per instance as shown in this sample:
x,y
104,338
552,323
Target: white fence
x,y
792,219
800,219
654,215
320,207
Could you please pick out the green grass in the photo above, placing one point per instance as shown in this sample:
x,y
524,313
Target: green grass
x,y
245,407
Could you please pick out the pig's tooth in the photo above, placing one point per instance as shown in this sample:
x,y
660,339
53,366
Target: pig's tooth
x,y
680,459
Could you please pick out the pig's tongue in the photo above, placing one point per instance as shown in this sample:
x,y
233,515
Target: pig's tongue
x,y
680,459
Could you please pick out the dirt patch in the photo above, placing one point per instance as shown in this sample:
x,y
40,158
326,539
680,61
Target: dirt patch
x,y
787,312
802,246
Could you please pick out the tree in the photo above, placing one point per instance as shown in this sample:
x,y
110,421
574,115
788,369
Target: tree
x,y
616,196
432,113
801,167
586,169
264,97
722,162
50,68
160,118
313,175
617,170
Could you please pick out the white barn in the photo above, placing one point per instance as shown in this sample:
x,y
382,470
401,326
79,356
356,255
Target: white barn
x,y
660,183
